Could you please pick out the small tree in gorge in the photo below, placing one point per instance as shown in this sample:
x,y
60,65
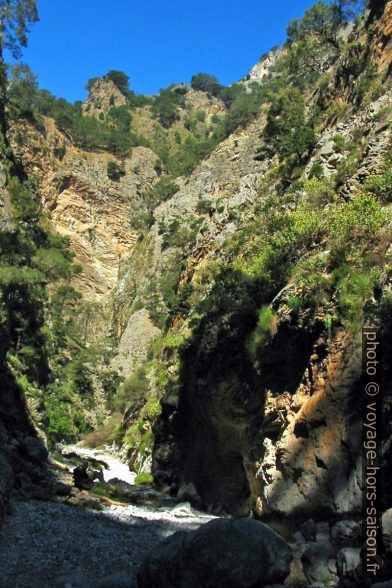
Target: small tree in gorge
x,y
323,20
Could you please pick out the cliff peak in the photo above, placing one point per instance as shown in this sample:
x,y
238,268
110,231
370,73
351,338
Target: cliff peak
x,y
103,95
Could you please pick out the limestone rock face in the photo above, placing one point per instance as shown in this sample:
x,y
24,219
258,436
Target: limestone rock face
x,y
306,450
239,553
103,95
377,138
263,67
382,48
200,101
22,454
85,205
138,333
317,432
35,449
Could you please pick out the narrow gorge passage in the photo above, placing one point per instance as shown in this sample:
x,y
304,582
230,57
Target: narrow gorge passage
x,y
185,277
51,544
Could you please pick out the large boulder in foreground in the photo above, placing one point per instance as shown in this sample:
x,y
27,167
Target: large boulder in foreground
x,y
227,553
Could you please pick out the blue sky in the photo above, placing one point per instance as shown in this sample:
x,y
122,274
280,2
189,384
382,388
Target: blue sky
x,y
156,42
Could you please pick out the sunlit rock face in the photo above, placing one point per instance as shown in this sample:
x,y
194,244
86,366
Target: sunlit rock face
x,y
83,204
103,95
311,458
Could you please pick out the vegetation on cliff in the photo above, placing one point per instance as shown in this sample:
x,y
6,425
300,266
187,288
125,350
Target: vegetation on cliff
x,y
41,349
212,276
312,250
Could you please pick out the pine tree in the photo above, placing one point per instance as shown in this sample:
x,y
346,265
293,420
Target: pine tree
x,y
323,20
15,17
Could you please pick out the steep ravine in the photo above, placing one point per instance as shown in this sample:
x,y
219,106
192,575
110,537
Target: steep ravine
x,y
211,441
233,315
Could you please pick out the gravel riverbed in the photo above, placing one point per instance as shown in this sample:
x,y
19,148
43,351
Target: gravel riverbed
x,y
46,544
43,544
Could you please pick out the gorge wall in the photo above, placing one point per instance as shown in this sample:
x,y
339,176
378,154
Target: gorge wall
x,y
284,438
234,301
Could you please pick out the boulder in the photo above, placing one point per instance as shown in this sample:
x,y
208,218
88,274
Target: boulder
x,y
183,509
346,533
227,553
335,159
308,530
315,562
327,150
349,559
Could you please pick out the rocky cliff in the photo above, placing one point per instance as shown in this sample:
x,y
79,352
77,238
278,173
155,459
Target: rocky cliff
x,y
234,292
286,437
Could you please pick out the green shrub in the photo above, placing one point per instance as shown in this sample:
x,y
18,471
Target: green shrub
x,y
206,83
165,106
144,478
22,87
179,234
115,171
358,220
288,132
369,86
242,110
265,327
354,288
132,437
111,132
120,117
339,143
336,110
204,206
295,303
318,193
346,169
161,191
133,391
381,184
323,21
190,123
152,409
316,171
200,115
305,61
120,79
312,279
143,221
